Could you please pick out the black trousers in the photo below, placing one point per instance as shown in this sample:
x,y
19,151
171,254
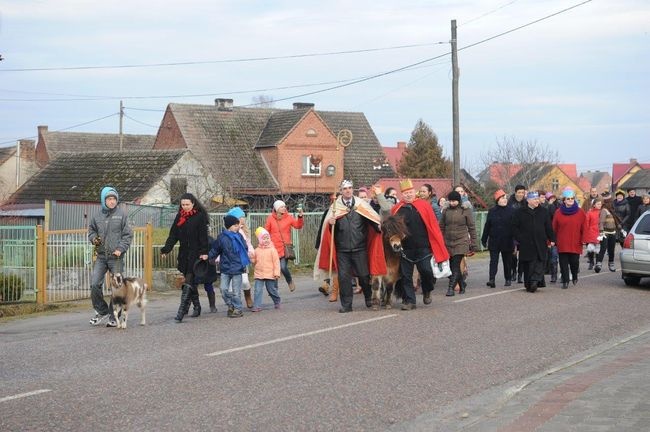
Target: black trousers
x,y
506,258
569,261
608,244
420,258
533,271
347,262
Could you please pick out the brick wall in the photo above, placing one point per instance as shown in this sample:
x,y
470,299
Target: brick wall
x,y
169,135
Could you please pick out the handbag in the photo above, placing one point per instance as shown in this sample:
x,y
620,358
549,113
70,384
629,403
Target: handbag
x,y
289,251
440,270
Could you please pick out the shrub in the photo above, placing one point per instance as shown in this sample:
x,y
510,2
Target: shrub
x,y
11,287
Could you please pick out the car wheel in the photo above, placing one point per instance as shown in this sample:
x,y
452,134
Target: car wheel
x,y
632,280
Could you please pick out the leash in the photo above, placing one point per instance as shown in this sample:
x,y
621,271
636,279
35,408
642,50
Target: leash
x,y
403,255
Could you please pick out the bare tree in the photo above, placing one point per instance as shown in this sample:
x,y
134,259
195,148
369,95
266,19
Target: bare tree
x,y
263,101
513,160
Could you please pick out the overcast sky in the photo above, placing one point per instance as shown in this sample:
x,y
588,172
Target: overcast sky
x,y
578,82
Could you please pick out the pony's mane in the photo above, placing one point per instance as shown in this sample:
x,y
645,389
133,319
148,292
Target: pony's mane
x,y
394,225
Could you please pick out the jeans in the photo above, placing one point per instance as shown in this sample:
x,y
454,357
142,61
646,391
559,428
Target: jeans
x,y
284,268
271,288
102,265
231,292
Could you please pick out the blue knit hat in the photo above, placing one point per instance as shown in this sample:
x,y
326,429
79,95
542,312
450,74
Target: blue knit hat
x,y
236,212
568,193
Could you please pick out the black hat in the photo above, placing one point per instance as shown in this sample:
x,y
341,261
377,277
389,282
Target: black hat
x,y
200,268
229,221
453,196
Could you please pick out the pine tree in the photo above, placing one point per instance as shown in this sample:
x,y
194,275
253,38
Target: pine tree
x,y
423,156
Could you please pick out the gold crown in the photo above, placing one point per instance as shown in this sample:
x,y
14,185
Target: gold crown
x,y
405,185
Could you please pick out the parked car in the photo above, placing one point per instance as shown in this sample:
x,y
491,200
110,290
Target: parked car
x,y
635,256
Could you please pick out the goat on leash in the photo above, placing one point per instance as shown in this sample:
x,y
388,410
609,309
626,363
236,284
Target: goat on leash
x,y
125,291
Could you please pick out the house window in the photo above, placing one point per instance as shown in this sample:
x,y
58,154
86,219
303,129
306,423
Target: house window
x,y
309,168
555,185
177,187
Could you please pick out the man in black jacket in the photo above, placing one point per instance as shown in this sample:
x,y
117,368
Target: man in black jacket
x,y
531,226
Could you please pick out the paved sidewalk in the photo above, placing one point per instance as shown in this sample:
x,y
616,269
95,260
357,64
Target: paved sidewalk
x,y
606,389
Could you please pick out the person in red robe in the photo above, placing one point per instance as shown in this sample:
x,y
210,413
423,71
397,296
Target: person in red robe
x,y
423,243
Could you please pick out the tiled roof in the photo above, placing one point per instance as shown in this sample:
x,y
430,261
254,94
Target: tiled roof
x,y
620,169
81,176
57,142
226,141
570,170
6,153
640,179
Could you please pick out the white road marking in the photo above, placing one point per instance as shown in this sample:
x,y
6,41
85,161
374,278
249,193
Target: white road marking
x,y
22,395
520,289
296,336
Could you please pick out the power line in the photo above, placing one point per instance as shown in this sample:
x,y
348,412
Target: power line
x,y
241,60
141,122
64,129
487,13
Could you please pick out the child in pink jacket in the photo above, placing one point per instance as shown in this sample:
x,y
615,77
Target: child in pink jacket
x,y
267,270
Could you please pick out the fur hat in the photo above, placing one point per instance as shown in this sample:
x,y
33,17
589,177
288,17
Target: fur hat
x,y
405,185
498,194
236,212
277,204
229,221
261,232
453,196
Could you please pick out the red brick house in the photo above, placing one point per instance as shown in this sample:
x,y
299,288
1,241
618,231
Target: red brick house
x,y
262,154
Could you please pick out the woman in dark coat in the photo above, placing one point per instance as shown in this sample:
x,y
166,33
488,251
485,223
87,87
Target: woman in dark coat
x,y
531,227
459,232
190,228
497,237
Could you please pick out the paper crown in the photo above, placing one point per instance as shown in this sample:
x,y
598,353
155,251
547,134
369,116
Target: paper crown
x,y
346,183
405,185
532,195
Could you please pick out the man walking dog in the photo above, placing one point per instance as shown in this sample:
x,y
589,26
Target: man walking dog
x,y
111,234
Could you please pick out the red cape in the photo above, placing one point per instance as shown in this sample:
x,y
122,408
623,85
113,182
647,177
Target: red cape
x,y
436,240
375,246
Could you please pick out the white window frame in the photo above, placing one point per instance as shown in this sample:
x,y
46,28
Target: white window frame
x,y
309,170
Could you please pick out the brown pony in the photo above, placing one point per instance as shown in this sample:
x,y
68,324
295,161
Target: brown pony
x,y
393,232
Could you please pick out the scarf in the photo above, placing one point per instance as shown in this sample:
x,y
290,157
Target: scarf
x,y
185,215
568,211
238,245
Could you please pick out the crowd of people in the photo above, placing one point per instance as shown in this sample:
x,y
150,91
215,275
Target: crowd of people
x,y
533,234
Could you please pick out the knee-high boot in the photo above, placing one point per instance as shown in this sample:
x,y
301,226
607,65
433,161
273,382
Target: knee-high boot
x,y
211,300
462,283
453,279
184,307
196,302
334,293
553,272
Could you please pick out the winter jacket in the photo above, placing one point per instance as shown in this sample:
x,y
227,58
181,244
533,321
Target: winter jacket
x,y
193,239
532,229
642,209
569,231
633,203
594,225
280,229
112,227
267,263
622,210
458,229
230,261
497,232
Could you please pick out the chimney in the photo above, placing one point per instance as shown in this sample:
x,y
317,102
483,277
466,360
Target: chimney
x,y
401,145
633,161
27,148
41,130
302,105
223,104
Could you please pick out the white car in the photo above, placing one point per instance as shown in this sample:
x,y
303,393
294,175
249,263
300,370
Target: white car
x,y
635,256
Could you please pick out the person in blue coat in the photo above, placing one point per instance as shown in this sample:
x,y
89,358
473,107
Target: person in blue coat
x,y
497,237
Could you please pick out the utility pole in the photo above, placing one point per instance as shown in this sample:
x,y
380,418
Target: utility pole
x,y
121,121
454,103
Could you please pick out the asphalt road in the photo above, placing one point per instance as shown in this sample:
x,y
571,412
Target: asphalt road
x,y
305,367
